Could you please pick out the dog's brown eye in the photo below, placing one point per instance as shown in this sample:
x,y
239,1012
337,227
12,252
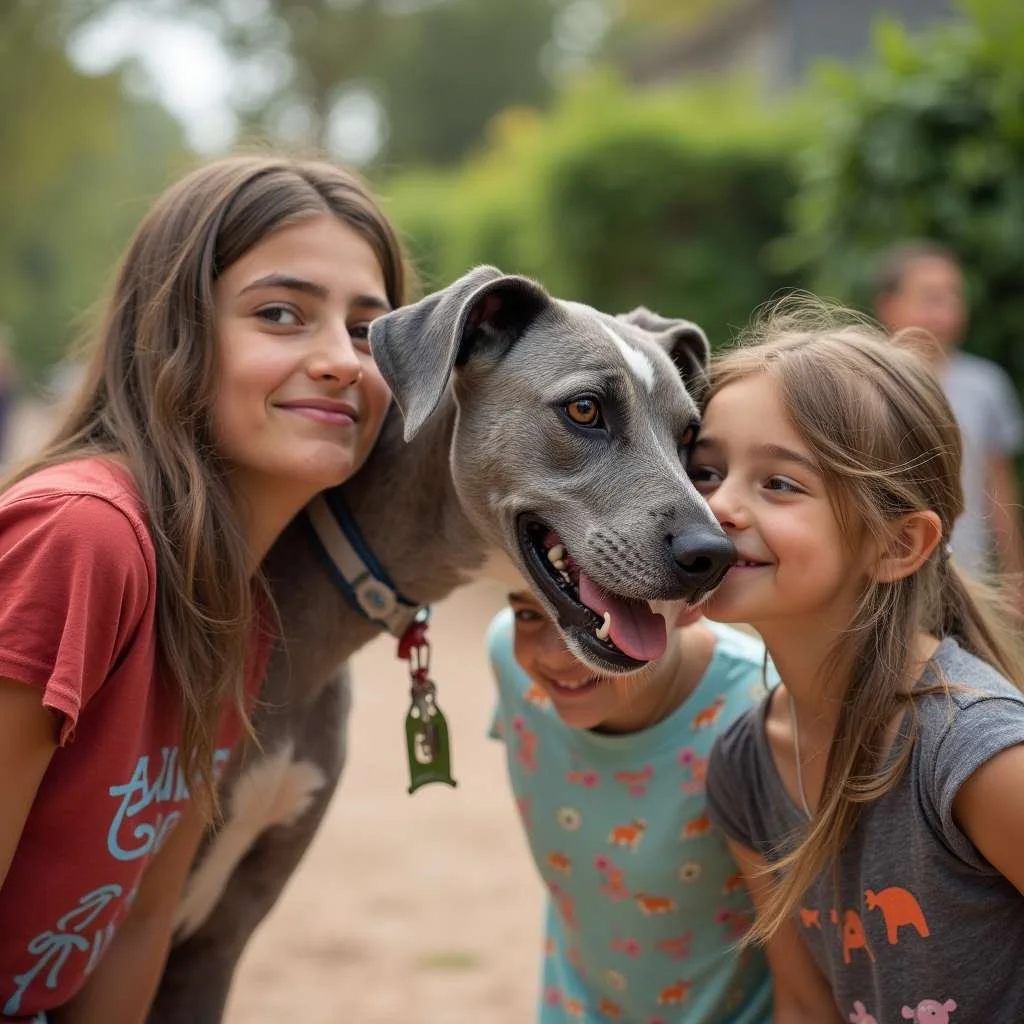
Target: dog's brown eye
x,y
689,436
584,411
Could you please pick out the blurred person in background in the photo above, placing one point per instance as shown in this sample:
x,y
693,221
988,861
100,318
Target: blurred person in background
x,y
920,285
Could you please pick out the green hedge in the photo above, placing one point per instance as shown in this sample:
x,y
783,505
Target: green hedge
x,y
666,199
926,142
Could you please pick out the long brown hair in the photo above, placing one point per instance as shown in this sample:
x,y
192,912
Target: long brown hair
x,y
874,418
147,397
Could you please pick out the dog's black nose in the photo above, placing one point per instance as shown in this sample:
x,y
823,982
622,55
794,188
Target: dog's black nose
x,y
703,556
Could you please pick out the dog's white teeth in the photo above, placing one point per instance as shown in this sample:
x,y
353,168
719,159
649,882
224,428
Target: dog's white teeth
x,y
565,576
556,556
559,565
605,629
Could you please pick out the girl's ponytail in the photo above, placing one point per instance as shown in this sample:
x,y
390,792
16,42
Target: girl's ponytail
x,y
981,618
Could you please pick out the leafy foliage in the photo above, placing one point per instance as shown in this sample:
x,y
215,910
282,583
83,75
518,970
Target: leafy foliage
x,y
927,142
87,161
619,199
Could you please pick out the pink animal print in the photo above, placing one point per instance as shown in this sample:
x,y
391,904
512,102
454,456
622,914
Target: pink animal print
x,y
677,947
629,947
698,766
565,905
930,1011
636,782
585,777
735,923
526,744
860,1014
613,884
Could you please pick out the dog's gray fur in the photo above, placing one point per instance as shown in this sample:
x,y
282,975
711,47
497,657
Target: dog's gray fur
x,y
478,371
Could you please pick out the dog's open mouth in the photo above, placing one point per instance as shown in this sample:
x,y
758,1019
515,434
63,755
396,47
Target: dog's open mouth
x,y
619,631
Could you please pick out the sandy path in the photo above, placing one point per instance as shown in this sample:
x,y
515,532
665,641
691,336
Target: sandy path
x,y
417,909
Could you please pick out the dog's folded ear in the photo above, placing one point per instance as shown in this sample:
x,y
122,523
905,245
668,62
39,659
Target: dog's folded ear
x,y
418,346
686,344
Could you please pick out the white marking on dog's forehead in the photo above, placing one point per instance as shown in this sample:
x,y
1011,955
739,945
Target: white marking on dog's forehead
x,y
636,360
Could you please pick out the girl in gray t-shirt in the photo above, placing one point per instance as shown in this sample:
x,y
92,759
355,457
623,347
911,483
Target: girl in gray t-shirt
x,y
875,800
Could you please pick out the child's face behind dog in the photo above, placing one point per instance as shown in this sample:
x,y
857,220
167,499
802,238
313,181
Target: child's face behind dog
x,y
581,698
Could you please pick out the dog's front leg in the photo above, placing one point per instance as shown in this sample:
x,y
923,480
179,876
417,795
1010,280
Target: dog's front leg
x,y
272,812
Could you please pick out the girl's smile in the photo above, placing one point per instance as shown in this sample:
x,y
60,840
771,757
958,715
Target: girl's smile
x,y
323,410
766,490
584,700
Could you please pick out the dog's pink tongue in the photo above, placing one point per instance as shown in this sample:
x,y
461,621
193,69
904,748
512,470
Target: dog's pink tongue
x,y
635,629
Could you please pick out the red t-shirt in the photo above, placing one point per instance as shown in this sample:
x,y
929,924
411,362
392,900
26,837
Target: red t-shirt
x,y
77,621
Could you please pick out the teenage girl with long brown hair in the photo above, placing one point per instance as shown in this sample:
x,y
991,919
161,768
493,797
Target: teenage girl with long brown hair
x,y
875,800
230,381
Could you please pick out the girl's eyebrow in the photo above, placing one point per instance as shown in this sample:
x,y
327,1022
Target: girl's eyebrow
x,y
314,288
777,452
782,454
372,302
295,284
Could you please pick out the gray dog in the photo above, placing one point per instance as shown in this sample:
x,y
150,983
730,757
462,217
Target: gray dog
x,y
536,431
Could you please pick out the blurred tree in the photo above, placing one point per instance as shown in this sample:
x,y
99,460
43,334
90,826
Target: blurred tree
x,y
637,26
432,72
403,82
455,66
927,142
618,198
329,49
655,14
82,159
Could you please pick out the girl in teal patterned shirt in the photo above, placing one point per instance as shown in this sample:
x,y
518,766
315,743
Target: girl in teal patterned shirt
x,y
645,904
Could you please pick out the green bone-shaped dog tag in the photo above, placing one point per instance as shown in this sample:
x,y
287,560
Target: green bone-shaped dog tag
x,y
426,738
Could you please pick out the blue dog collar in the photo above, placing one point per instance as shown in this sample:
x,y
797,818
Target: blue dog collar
x,y
352,565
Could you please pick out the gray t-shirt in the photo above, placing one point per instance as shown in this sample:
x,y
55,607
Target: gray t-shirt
x,y
988,413
922,921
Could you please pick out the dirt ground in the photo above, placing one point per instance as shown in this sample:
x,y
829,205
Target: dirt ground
x,y
416,909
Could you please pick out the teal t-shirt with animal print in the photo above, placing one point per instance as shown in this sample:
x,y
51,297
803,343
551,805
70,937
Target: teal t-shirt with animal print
x,y
645,904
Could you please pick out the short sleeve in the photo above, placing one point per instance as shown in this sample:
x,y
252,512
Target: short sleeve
x,y
974,735
1005,423
499,654
73,586
732,769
